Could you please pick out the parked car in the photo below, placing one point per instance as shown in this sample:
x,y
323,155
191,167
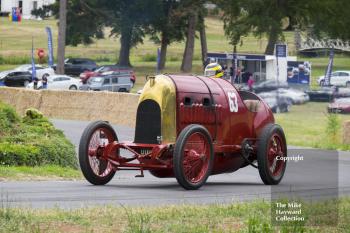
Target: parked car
x,y
61,82
325,94
41,71
15,78
278,104
112,82
341,105
76,66
293,95
106,69
338,78
269,85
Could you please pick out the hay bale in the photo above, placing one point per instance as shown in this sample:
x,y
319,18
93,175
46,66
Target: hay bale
x,y
21,99
117,108
346,132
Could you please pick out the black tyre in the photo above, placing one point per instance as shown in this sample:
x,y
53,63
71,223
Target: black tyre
x,y
95,168
193,157
73,88
272,148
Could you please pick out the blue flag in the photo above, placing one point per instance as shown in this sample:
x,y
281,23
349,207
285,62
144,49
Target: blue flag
x,y
33,62
327,76
50,46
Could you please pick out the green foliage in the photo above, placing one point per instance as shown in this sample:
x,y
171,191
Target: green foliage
x,y
33,113
333,126
263,17
330,19
255,225
8,117
32,141
43,12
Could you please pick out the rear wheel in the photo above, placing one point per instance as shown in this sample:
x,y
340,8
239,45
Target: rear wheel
x,y
193,157
96,169
272,151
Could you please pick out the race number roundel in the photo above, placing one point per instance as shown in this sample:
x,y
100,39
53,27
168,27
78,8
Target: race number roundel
x,y
232,99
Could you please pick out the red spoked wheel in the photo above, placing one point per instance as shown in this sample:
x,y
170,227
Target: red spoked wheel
x,y
95,168
272,150
193,157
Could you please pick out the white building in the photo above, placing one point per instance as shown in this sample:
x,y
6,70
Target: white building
x,y
262,66
26,5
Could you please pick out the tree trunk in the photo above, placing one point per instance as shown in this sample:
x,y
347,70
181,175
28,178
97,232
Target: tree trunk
x,y
61,37
163,51
204,46
273,37
125,46
186,65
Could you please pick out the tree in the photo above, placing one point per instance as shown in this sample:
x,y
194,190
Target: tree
x,y
194,9
330,19
203,37
127,18
168,27
264,17
61,47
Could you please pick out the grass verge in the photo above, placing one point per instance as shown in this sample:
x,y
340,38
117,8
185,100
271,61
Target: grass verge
x,y
47,172
238,217
306,125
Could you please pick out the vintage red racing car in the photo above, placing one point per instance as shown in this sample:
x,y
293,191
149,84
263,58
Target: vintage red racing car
x,y
189,127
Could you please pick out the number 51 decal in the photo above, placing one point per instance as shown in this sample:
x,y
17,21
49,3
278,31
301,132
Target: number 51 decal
x,y
232,99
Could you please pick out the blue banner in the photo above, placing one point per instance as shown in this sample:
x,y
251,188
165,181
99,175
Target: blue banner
x,y
327,76
49,45
33,63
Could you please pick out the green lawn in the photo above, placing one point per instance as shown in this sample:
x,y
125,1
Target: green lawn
x,y
252,217
305,125
46,172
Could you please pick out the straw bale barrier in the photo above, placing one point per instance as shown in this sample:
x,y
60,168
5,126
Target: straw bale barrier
x,y
117,108
346,132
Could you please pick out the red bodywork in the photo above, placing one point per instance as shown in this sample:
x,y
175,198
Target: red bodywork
x,y
204,101
337,107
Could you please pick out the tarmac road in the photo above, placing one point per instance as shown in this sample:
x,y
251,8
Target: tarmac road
x,y
320,174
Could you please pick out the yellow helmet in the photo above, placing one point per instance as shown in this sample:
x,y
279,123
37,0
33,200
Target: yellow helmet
x,y
213,70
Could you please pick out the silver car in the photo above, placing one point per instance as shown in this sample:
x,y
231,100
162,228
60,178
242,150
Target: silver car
x,y
115,83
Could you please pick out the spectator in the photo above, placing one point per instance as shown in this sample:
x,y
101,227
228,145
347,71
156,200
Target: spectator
x,y
44,82
250,82
35,83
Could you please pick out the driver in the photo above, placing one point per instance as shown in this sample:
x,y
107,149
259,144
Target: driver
x,y
214,70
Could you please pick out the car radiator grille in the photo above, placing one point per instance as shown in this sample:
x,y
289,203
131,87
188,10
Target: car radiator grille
x,y
148,122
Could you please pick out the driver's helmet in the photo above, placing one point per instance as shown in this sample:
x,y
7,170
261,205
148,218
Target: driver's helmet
x,y
213,70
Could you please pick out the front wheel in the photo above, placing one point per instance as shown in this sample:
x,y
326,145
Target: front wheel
x,y
193,157
272,154
96,169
